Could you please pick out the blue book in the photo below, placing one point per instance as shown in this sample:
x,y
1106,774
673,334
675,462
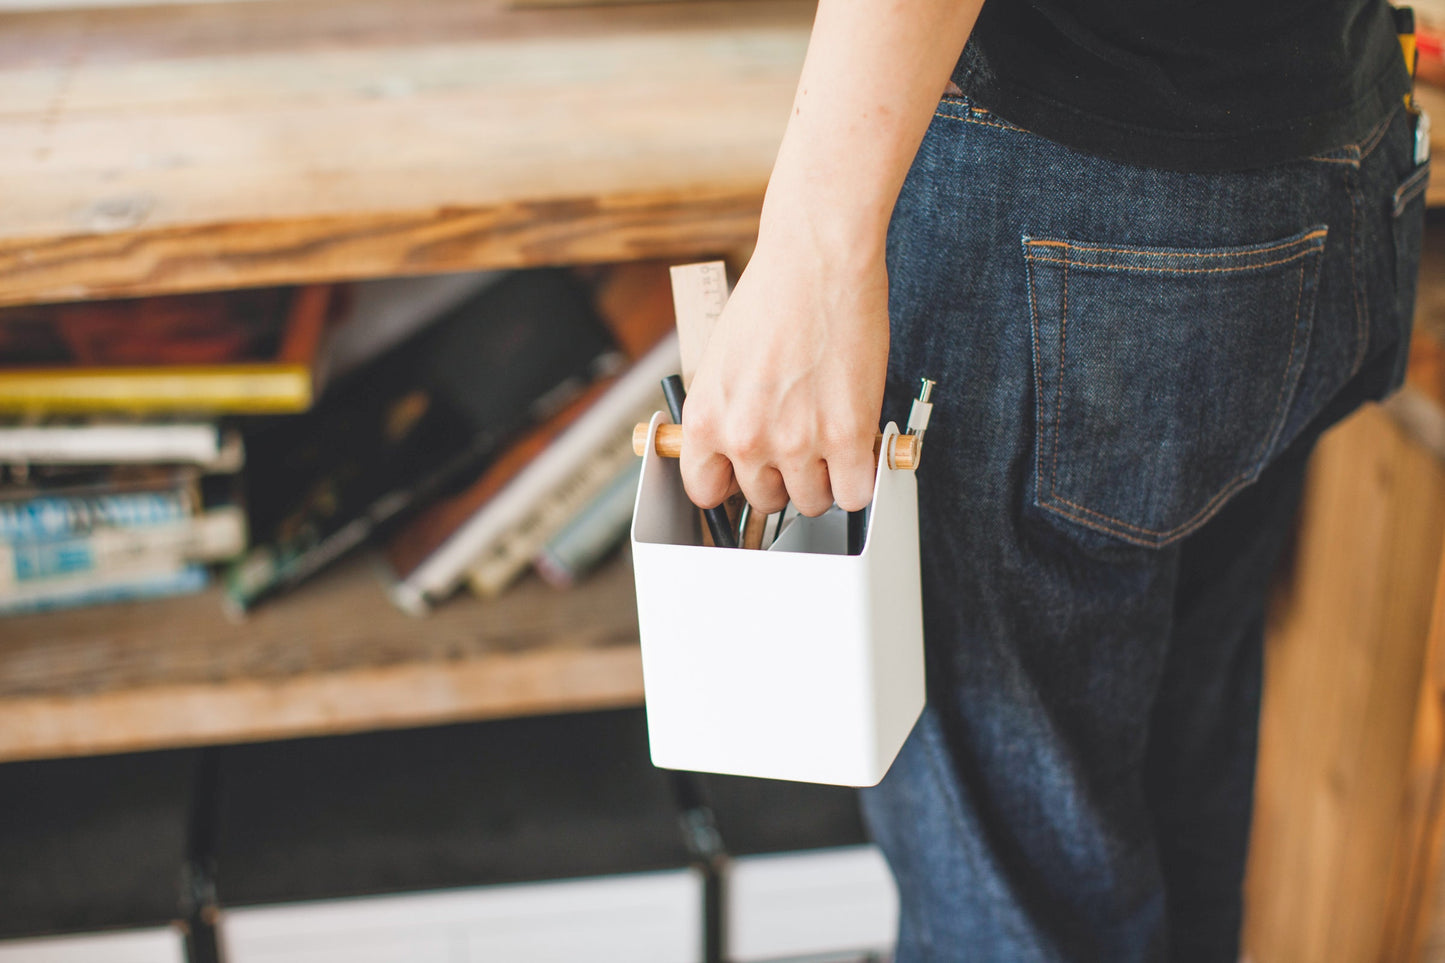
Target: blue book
x,y
592,535
49,516
64,593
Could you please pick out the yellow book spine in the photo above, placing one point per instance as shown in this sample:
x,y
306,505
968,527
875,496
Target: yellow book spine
x,y
232,389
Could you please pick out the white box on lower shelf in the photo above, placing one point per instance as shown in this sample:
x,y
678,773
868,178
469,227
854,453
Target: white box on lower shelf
x,y
810,903
641,918
159,945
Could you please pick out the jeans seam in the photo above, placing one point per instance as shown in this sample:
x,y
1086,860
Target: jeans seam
x,y
1375,136
1279,413
1127,269
1412,186
980,122
1352,160
1167,252
1038,361
1156,539
1059,391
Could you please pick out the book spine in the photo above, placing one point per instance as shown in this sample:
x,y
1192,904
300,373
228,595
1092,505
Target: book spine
x,y
440,573
590,536
48,517
500,563
117,587
192,443
236,389
216,535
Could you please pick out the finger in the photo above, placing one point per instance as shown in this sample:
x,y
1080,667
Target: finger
x,y
851,474
807,485
707,478
764,489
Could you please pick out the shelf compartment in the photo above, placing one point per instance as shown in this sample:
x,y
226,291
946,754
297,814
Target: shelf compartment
x,y
334,657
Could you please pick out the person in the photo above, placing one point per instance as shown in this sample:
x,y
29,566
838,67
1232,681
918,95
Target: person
x,y
1149,250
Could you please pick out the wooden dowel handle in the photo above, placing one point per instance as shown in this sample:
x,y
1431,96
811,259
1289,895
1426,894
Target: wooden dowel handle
x,y
669,445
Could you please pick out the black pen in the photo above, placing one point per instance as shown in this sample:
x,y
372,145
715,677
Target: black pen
x,y
717,517
857,530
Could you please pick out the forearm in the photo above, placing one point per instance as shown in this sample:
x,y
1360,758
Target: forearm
x,y
870,84
786,400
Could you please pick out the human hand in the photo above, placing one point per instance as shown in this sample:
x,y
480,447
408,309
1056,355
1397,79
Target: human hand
x,y
786,399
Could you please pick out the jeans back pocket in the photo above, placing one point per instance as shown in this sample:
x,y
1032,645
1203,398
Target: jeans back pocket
x,y
1162,376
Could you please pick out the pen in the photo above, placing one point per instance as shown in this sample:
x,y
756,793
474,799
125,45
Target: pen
x,y
717,516
917,425
857,530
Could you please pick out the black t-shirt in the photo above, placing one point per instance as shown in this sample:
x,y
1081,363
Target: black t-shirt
x,y
1195,85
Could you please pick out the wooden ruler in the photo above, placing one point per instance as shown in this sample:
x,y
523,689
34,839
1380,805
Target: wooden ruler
x,y
699,294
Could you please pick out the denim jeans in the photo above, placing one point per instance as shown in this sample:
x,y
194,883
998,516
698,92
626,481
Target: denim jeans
x,y
1133,366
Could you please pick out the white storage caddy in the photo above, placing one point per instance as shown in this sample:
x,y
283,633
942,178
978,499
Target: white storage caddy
x,y
800,662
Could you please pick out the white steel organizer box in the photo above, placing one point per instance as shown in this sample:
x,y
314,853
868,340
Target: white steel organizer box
x,y
800,662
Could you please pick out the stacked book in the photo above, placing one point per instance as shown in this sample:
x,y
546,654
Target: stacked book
x,y
473,427
494,436
558,498
118,479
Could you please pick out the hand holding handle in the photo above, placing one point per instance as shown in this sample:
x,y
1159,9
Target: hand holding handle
x,y
669,445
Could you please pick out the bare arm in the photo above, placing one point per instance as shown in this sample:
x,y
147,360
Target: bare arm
x,y
787,397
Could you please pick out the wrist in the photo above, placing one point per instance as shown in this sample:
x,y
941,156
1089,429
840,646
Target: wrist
x,y
844,231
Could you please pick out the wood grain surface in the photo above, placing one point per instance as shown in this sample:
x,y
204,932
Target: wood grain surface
x,y
1342,807
334,658
1432,99
186,147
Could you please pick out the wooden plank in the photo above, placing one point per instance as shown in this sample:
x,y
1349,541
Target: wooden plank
x,y
179,148
1426,373
1345,662
1415,877
334,658
1432,99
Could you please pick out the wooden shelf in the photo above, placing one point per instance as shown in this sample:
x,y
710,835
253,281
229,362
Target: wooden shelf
x,y
177,148
335,657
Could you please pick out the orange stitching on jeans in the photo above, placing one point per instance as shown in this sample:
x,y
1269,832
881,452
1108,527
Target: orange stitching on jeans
x,y
1038,376
1372,140
981,123
960,99
1158,270
1059,394
1163,252
1278,413
1353,160
1158,538
1132,539
1413,185
1230,487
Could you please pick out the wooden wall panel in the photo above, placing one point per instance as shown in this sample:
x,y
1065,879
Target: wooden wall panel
x,y
1347,772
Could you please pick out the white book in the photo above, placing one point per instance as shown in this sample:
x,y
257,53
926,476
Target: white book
x,y
198,443
160,945
386,311
440,574
512,553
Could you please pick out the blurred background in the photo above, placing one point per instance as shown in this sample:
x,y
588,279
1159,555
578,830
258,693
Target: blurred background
x,y
323,328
